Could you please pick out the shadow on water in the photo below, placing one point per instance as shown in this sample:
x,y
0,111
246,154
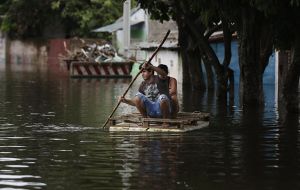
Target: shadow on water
x,y
253,148
289,145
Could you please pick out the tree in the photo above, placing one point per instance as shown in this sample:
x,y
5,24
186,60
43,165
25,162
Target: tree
x,y
280,28
85,15
285,20
24,18
196,21
254,37
30,18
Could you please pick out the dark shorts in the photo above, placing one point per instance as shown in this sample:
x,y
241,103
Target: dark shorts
x,y
153,108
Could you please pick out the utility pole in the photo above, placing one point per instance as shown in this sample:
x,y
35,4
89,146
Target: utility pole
x,y
126,27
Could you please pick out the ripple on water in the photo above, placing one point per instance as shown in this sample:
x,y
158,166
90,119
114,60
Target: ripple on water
x,y
7,159
17,166
41,128
15,183
8,125
18,176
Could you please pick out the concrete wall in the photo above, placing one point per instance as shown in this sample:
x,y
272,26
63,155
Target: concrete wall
x,y
138,16
2,51
171,59
157,30
34,56
26,56
269,74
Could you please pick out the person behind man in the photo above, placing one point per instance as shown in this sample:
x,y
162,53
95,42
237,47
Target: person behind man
x,y
172,83
152,99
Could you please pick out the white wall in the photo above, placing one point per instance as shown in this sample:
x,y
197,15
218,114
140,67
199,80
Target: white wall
x,y
276,77
138,16
2,51
169,58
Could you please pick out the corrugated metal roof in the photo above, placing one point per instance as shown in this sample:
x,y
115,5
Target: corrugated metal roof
x,y
115,26
153,45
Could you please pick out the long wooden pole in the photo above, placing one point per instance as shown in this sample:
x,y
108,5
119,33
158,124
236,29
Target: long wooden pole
x,y
149,61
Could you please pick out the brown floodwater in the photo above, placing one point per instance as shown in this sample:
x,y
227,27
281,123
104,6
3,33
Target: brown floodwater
x,y
51,138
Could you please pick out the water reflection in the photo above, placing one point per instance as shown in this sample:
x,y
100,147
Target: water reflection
x,y
289,146
51,138
154,158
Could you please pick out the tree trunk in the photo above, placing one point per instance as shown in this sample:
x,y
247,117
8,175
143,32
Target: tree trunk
x,y
291,82
195,65
212,58
266,46
195,30
191,63
183,43
195,70
209,72
227,43
209,75
251,89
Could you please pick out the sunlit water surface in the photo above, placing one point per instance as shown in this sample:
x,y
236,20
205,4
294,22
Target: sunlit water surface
x,y
51,138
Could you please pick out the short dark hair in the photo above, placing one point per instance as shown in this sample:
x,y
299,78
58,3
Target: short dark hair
x,y
141,68
164,68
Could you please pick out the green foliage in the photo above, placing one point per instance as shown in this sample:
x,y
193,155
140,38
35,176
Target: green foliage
x,y
283,15
24,18
86,15
29,18
160,10
295,3
206,10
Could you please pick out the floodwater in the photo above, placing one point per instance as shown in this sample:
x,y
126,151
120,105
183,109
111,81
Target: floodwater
x,y
51,138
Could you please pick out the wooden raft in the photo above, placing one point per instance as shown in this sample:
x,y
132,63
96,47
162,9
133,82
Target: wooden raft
x,y
184,122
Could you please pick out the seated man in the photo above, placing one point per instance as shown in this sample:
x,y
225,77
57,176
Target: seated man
x,y
153,99
172,83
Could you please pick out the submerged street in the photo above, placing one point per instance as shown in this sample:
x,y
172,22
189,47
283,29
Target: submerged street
x,y
51,138
233,68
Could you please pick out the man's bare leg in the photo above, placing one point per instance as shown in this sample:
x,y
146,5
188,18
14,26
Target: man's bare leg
x,y
164,107
175,107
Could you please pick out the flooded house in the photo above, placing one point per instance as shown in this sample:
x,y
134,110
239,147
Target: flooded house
x,y
146,34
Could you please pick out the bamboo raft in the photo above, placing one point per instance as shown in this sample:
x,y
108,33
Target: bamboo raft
x,y
185,121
